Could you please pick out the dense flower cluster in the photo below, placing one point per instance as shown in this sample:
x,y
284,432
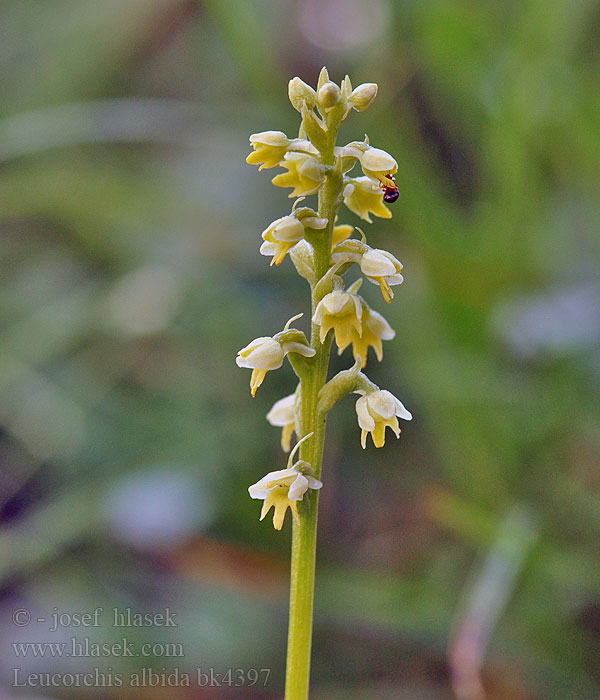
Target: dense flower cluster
x,y
323,251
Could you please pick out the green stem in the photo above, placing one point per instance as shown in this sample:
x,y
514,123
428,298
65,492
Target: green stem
x,y
304,534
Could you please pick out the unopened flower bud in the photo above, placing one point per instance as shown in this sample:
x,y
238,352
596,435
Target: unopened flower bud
x,y
299,93
362,97
328,96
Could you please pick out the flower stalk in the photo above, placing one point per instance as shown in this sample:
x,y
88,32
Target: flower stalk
x,y
322,252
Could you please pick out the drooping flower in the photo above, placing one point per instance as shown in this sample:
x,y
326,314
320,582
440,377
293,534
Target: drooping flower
x,y
261,355
374,329
265,353
341,311
305,174
280,236
364,196
283,415
283,489
376,411
269,149
283,234
378,164
382,268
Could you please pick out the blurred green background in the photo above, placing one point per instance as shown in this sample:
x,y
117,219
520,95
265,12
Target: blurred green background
x,y
459,562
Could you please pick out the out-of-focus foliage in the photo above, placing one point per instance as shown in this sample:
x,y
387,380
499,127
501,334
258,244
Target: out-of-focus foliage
x,y
130,228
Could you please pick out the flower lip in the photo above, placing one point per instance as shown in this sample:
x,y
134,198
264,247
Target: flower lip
x,y
375,329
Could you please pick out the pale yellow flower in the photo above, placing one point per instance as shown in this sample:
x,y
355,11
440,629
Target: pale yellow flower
x,y
283,415
269,149
280,236
363,196
374,329
305,174
264,354
341,311
376,411
283,489
283,234
382,268
377,164
261,355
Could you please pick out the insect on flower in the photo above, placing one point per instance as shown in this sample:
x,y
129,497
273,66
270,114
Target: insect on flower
x,y
390,194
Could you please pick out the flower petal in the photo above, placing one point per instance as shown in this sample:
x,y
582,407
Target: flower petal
x,y
365,420
298,488
282,412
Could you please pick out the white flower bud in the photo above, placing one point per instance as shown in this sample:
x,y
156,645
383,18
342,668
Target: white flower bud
x,y
362,97
328,96
299,92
